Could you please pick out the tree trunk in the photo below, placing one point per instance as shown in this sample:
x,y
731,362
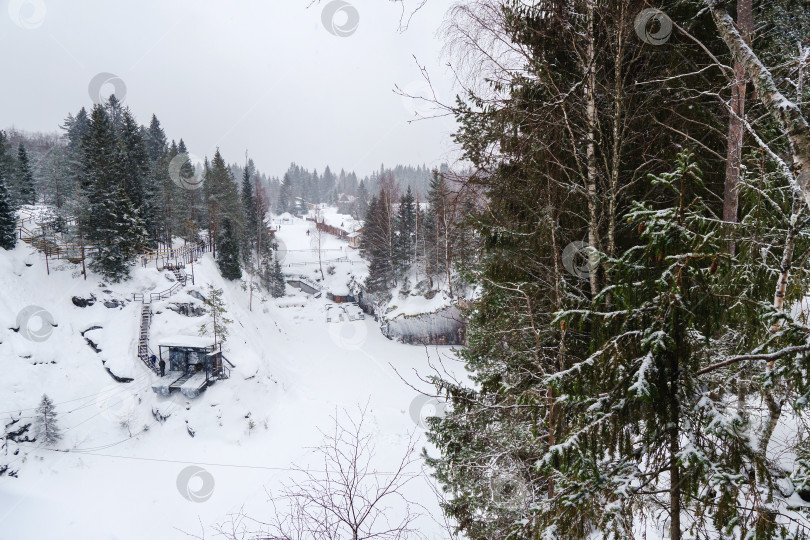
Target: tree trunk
x,y
735,123
590,98
784,111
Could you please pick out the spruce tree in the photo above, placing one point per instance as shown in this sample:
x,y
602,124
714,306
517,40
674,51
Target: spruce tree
x,y
249,211
376,249
26,190
228,252
219,315
405,234
286,199
112,222
157,180
8,220
361,204
222,197
272,276
46,425
135,160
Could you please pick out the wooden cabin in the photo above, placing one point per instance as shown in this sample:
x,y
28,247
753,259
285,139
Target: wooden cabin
x,y
192,365
354,239
341,297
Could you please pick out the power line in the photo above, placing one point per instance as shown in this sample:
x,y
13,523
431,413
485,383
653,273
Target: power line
x,y
213,464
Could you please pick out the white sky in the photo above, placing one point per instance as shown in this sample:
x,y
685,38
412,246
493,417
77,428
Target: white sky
x,y
261,75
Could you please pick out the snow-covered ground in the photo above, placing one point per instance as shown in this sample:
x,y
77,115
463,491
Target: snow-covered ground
x,y
119,472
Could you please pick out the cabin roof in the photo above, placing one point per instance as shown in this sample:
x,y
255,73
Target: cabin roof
x,y
197,342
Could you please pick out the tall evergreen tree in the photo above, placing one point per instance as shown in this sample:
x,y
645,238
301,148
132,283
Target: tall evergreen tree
x,y
286,198
135,160
25,178
8,221
406,233
46,424
111,220
249,211
376,249
76,128
222,197
228,251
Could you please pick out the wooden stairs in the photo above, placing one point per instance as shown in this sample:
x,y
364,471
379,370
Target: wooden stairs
x,y
143,338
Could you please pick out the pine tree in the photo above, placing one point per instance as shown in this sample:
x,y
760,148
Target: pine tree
x,y
222,198
406,233
286,199
361,204
228,252
135,160
111,220
157,182
8,221
439,230
219,316
25,178
8,167
251,219
376,249
47,428
272,276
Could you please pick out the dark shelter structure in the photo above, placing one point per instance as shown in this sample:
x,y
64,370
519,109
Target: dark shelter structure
x,y
192,364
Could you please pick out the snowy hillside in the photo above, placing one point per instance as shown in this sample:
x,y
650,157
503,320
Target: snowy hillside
x,y
120,470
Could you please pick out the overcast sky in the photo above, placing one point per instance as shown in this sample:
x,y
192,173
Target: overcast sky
x,y
268,76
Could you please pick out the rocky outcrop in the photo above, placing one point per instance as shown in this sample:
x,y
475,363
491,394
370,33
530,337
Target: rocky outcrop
x,y
78,301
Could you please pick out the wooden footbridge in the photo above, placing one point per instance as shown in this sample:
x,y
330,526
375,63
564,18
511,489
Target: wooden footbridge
x,y
45,236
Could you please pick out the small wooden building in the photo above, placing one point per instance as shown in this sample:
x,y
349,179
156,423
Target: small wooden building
x,y
192,365
354,238
340,297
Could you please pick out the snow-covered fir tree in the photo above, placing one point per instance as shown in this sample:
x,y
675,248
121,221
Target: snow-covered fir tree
x,y
228,252
26,189
46,426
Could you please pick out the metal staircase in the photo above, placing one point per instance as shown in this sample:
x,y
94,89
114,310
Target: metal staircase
x,y
143,338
